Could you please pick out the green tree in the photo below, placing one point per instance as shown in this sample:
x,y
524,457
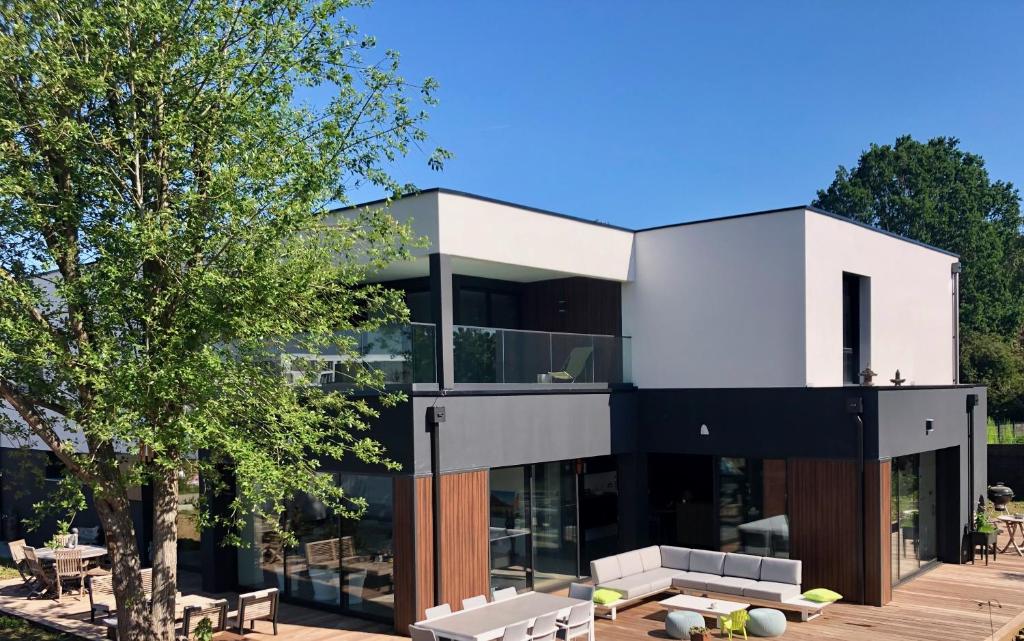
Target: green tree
x,y
940,194
165,237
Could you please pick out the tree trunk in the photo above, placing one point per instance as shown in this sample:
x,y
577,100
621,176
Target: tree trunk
x,y
133,618
165,553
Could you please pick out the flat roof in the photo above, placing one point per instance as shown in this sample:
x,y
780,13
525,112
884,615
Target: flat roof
x,y
715,219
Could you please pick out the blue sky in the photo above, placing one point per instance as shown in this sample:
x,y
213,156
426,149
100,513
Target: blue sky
x,y
644,113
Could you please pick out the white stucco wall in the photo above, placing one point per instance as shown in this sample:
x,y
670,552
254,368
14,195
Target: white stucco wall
x,y
719,304
484,230
911,314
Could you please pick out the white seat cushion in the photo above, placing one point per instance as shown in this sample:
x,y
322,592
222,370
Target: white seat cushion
x,y
604,570
651,558
674,557
694,580
781,571
707,561
729,584
630,563
660,578
744,566
630,587
771,591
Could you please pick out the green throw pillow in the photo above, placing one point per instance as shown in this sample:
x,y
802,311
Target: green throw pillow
x,y
605,596
822,595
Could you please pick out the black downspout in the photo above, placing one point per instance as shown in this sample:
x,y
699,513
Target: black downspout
x,y
972,401
855,406
436,416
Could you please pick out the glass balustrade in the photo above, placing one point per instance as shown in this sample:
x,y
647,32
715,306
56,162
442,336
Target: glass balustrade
x,y
404,353
494,355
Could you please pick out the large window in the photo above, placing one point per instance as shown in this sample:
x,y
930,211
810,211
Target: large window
x,y
338,563
913,504
729,503
537,514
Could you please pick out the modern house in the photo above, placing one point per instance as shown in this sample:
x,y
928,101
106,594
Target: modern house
x,y
578,389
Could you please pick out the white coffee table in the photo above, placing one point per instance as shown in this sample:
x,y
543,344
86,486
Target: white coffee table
x,y
710,608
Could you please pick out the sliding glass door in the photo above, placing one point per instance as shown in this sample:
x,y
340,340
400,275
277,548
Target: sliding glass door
x,y
913,501
535,528
340,564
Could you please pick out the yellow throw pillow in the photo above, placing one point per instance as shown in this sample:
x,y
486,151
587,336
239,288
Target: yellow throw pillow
x,y
822,595
605,596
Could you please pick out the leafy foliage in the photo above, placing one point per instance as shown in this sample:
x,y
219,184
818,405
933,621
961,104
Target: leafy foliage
x,y
939,194
166,236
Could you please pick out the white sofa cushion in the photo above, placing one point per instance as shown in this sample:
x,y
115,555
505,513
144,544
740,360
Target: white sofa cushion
x,y
729,584
630,563
744,566
674,557
781,571
661,578
650,558
707,561
604,570
770,591
630,587
694,580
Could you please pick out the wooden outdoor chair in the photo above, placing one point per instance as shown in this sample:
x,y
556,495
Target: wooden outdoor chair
x,y
45,579
101,592
323,554
257,606
69,568
18,557
216,612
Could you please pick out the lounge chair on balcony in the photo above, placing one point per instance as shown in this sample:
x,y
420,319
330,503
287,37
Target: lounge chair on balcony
x,y
574,365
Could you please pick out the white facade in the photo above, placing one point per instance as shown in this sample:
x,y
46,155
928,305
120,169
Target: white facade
x,y
757,301
911,324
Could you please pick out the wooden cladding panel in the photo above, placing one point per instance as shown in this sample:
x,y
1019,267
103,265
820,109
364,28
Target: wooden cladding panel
x,y
424,546
823,507
581,305
465,559
774,487
413,543
877,532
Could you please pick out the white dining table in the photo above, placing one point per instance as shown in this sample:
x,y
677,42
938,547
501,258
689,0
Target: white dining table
x,y
488,622
88,552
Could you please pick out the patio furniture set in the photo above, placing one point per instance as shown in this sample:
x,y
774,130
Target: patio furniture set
x,y
47,572
531,616
710,584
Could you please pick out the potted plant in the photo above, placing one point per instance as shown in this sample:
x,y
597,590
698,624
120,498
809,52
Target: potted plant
x,y
699,633
204,630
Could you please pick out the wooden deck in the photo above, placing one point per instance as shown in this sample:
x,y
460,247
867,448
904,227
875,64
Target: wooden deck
x,y
942,603
949,601
294,623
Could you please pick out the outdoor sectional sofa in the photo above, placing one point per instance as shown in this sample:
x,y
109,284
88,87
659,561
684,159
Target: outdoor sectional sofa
x,y
756,580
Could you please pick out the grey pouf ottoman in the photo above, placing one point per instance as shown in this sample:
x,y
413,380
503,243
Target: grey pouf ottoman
x,y
766,622
679,622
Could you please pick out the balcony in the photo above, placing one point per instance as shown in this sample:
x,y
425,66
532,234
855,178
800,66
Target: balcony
x,y
405,354
508,356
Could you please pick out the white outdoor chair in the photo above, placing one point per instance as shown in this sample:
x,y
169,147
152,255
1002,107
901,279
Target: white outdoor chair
x,y
503,594
578,624
581,591
422,634
516,632
438,611
474,602
544,628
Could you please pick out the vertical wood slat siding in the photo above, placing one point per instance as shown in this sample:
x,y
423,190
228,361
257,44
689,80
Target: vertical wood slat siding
x,y
424,546
465,558
414,550
405,554
823,510
885,539
774,487
873,541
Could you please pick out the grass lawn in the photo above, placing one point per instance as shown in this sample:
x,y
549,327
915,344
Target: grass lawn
x,y
15,629
8,571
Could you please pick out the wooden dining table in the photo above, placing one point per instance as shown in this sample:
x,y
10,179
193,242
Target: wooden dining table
x,y
1014,525
89,552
